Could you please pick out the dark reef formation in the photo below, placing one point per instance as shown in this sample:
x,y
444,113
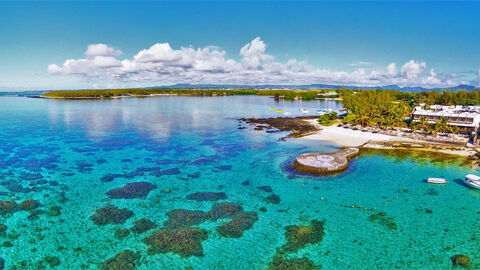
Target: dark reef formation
x,y
280,263
224,210
273,199
185,242
239,223
7,207
182,218
28,205
207,196
300,236
125,260
143,225
265,188
111,214
461,260
132,191
121,233
383,219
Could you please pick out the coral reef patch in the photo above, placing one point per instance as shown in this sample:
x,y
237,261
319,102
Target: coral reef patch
x,y
300,236
143,225
239,223
125,260
132,190
111,214
280,263
185,242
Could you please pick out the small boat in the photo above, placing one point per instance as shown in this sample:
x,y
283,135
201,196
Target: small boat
x,y
272,109
286,113
302,110
279,111
434,180
472,180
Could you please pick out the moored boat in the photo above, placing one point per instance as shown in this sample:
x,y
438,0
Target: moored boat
x,y
302,110
472,180
435,180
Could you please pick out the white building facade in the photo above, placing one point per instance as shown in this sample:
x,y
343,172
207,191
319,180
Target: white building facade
x,y
467,118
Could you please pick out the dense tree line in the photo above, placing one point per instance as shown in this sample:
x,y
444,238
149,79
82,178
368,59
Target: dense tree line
x,y
391,109
279,94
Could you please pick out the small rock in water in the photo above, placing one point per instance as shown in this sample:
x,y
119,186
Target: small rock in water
x,y
53,261
54,211
274,199
121,233
3,229
265,188
246,183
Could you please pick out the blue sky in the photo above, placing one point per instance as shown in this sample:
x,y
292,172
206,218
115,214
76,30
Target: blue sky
x,y
365,43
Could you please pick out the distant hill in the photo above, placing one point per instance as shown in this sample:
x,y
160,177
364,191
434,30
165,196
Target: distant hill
x,y
313,86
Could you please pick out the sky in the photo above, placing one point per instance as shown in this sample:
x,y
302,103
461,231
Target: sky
x,y
78,45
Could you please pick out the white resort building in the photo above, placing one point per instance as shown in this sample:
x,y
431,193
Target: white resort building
x,y
467,118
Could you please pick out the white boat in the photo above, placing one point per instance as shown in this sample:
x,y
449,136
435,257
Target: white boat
x,y
302,110
286,113
434,180
472,180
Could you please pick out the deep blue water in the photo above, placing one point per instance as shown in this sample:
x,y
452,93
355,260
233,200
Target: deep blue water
x,y
71,153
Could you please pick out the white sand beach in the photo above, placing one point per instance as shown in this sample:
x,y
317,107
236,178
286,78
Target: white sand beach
x,y
355,138
351,138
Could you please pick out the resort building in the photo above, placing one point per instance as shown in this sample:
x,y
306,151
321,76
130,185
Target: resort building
x,y
467,118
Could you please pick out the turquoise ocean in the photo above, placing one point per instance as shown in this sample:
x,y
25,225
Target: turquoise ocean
x,y
67,156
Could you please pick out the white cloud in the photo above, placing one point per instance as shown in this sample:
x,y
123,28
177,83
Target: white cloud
x,y
101,50
164,65
361,64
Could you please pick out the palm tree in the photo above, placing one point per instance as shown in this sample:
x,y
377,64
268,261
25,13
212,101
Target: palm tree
x,y
362,118
454,130
442,125
414,126
423,123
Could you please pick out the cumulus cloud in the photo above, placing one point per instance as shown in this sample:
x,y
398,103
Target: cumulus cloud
x,y
163,64
101,50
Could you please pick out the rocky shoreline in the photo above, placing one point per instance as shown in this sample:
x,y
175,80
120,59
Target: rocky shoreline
x,y
297,126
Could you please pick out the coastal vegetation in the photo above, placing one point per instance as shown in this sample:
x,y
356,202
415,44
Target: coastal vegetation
x,y
327,119
110,93
392,109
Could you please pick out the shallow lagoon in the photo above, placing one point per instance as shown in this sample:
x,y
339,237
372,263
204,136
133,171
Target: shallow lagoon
x,y
58,152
